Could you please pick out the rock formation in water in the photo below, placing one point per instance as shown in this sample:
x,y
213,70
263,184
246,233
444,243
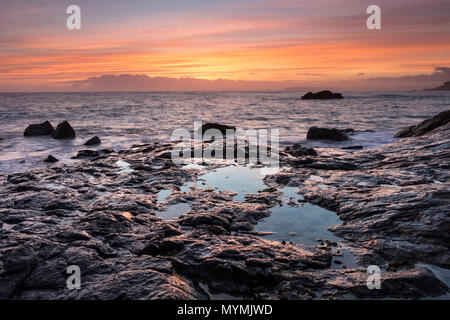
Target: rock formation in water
x,y
39,129
217,126
322,95
51,159
93,141
64,131
316,133
425,126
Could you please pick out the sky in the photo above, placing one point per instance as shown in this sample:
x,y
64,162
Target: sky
x,y
223,45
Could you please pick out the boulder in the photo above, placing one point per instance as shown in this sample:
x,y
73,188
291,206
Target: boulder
x,y
425,126
64,131
221,127
316,133
51,159
322,95
39,129
352,148
297,150
93,141
87,154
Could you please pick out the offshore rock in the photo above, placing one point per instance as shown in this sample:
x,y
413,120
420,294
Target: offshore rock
x,y
40,129
64,131
316,133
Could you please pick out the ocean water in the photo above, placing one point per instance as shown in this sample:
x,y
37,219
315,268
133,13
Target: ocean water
x,y
123,119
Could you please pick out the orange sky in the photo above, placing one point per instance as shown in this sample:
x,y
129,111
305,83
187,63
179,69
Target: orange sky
x,y
304,42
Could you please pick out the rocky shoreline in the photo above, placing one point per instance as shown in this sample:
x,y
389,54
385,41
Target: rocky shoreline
x,y
101,214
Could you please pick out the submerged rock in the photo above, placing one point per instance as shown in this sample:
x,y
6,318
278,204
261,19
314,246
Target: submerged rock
x,y
425,126
51,159
93,141
316,133
64,131
322,95
221,127
40,129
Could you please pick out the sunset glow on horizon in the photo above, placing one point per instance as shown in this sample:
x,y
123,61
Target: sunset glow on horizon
x,y
307,43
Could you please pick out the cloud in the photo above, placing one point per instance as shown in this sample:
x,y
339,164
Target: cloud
x,y
127,82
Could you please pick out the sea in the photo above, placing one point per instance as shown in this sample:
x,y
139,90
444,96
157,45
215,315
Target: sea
x,y
122,119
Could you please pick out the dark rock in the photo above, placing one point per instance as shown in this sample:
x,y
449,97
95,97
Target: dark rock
x,y
40,129
221,127
297,150
64,131
51,159
425,126
93,141
87,154
352,148
91,153
322,95
316,133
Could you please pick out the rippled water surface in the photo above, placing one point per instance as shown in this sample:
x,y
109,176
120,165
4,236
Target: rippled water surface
x,y
122,119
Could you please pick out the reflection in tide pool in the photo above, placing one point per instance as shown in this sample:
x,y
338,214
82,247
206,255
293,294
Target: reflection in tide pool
x,y
174,211
243,180
301,224
163,194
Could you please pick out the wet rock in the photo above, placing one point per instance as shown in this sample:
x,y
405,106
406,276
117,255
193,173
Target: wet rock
x,y
297,150
322,95
393,204
205,218
41,129
93,141
64,131
163,247
92,153
425,126
17,178
316,133
352,148
221,127
51,159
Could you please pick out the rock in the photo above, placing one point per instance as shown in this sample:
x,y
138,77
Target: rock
x,y
297,150
87,154
221,127
64,131
352,148
93,141
51,159
425,126
316,133
40,129
322,95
